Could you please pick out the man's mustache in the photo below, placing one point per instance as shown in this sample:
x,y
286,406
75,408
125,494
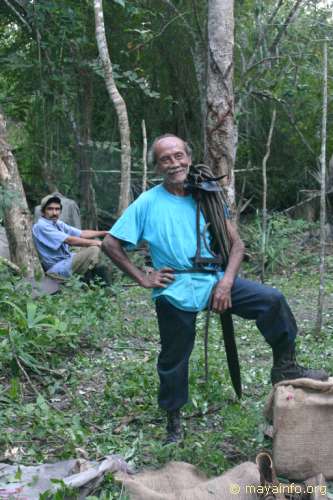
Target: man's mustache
x,y
175,168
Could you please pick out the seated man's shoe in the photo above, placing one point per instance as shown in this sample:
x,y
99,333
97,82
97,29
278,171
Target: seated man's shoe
x,y
100,271
173,428
286,368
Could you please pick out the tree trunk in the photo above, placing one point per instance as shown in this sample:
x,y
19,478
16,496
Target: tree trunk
x,y
264,196
321,294
119,104
221,132
144,156
17,217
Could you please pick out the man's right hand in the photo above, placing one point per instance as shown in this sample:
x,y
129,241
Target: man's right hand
x,y
158,279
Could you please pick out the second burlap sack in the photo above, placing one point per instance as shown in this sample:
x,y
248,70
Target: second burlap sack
x,y
302,415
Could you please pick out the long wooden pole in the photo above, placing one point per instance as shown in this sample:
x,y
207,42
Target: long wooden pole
x,y
144,156
321,294
264,196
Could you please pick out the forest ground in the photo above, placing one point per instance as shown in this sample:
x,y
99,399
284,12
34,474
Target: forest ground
x,y
88,384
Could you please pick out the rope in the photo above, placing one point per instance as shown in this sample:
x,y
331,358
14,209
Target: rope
x,y
214,206
210,198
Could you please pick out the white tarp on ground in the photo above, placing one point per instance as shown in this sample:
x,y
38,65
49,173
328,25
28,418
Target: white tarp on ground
x,y
19,482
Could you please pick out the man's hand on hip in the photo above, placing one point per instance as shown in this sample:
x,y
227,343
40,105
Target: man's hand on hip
x,y
222,296
158,279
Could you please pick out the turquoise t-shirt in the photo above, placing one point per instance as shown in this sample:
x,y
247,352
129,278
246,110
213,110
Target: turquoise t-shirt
x,y
168,224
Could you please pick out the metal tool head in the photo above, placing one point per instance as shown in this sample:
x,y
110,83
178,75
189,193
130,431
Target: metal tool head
x,y
211,186
197,180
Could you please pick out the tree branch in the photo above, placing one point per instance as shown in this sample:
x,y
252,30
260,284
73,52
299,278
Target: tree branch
x,y
18,15
189,28
263,34
300,133
159,33
258,63
267,95
291,16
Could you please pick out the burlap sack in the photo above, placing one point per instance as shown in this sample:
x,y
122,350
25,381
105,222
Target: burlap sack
x,y
302,414
182,481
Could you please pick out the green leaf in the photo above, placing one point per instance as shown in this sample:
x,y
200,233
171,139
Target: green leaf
x,y
31,313
120,2
15,388
18,474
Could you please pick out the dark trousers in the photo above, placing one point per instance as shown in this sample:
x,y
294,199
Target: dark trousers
x,y
250,300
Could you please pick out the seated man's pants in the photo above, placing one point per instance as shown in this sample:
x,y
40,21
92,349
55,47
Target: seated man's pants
x,y
83,260
86,259
250,300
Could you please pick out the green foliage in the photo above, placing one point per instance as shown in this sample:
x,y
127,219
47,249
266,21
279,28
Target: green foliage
x,y
36,334
7,198
284,239
92,382
46,84
288,78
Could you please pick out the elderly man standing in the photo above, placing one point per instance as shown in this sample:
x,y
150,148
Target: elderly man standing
x,y
53,238
165,217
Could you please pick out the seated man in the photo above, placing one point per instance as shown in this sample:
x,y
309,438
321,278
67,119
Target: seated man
x,y
53,237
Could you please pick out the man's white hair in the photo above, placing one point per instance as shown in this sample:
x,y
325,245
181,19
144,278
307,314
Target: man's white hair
x,y
152,160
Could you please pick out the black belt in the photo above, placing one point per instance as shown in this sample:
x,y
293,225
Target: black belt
x,y
197,270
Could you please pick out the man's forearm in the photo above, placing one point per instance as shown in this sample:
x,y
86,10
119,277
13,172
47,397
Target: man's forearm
x,y
235,260
113,249
89,233
82,242
222,293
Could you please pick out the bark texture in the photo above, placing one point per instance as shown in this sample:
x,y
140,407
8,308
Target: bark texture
x,y
221,133
120,106
17,217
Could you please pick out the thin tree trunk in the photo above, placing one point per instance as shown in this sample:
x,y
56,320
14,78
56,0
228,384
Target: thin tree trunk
x,y
264,196
144,156
119,104
290,17
221,132
87,192
17,217
321,294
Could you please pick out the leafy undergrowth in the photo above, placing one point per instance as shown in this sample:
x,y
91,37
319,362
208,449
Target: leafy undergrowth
x,y
78,377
